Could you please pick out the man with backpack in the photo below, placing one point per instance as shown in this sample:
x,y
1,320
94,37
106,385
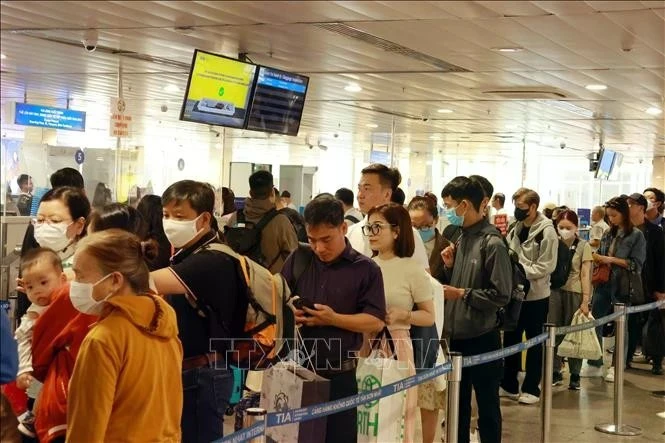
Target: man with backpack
x,y
537,244
294,216
259,231
204,288
480,272
351,214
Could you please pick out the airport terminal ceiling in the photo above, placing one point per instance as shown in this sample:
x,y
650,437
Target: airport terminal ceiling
x,y
469,78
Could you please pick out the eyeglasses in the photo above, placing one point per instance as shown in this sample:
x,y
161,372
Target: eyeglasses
x,y
41,221
375,228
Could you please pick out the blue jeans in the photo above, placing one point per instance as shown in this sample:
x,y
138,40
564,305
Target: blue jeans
x,y
206,395
601,305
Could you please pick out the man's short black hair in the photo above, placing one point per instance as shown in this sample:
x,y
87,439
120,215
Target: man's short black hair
x,y
201,196
286,194
398,197
388,177
461,188
345,195
324,210
67,177
488,189
261,185
501,198
660,197
22,180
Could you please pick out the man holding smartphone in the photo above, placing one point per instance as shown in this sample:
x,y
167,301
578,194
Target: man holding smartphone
x,y
345,290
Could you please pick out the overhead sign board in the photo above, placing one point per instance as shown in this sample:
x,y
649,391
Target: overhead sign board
x,y
120,123
49,117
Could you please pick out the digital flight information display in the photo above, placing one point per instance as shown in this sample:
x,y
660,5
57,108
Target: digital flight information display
x,y
278,101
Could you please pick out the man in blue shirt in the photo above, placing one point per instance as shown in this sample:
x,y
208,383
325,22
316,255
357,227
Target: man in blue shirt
x,y
346,291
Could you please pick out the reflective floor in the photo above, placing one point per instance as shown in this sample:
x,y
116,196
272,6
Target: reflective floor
x,y
576,413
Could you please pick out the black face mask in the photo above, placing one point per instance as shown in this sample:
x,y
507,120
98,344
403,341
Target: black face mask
x,y
521,214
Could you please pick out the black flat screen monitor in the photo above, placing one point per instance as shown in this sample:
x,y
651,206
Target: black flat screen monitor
x,y
218,90
278,101
605,164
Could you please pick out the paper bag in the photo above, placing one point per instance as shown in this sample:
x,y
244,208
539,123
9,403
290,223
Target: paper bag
x,y
288,385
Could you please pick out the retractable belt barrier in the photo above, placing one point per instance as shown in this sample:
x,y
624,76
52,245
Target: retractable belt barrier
x,y
332,407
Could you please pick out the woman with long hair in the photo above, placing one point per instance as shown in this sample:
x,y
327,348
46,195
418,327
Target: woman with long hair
x,y
406,284
623,248
150,208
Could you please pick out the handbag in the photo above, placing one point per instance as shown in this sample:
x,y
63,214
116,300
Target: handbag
x,y
630,287
601,274
602,271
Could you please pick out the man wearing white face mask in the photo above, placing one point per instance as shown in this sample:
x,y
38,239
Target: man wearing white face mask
x,y
655,206
203,287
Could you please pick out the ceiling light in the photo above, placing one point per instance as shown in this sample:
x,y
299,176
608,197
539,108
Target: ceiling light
x,y
596,87
654,111
434,137
3,56
171,88
445,111
372,125
508,49
353,87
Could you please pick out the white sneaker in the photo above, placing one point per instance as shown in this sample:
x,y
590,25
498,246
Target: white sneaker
x,y
609,377
506,394
528,399
591,371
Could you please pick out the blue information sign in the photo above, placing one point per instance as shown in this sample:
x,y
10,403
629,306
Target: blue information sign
x,y
49,117
79,157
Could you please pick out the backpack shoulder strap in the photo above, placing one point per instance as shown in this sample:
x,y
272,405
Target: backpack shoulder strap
x,y
267,218
302,260
351,218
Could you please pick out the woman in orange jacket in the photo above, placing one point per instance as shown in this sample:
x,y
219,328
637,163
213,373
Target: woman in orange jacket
x,y
126,385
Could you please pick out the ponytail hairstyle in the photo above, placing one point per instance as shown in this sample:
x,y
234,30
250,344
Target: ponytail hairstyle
x,y
116,250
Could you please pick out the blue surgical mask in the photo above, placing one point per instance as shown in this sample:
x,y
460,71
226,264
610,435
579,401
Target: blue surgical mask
x,y
453,218
427,234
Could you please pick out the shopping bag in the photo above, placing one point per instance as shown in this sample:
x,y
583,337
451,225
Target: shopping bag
x,y
287,385
581,344
381,420
437,292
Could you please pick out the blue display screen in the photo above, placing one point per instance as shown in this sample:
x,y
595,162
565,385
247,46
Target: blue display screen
x,y
49,117
605,164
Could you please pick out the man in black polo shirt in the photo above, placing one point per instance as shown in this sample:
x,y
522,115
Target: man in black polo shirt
x,y
203,287
347,291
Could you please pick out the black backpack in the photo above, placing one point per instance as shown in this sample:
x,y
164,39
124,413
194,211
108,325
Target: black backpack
x,y
564,261
297,221
245,237
509,315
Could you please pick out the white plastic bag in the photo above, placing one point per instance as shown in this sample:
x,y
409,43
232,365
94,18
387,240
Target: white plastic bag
x,y
581,344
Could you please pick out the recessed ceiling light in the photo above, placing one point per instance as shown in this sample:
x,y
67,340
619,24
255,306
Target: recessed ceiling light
x,y
171,88
445,111
654,111
509,49
434,137
596,87
353,87
3,56
372,125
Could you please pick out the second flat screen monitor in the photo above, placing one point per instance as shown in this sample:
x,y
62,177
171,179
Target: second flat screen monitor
x,y
218,91
279,99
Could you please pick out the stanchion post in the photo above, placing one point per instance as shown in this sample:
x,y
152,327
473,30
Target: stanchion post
x,y
548,367
252,416
618,428
454,380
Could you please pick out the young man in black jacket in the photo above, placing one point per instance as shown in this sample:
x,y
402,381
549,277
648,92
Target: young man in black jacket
x,y
480,273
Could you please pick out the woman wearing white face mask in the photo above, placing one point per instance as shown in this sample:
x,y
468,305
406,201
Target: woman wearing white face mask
x,y
131,358
574,295
60,221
